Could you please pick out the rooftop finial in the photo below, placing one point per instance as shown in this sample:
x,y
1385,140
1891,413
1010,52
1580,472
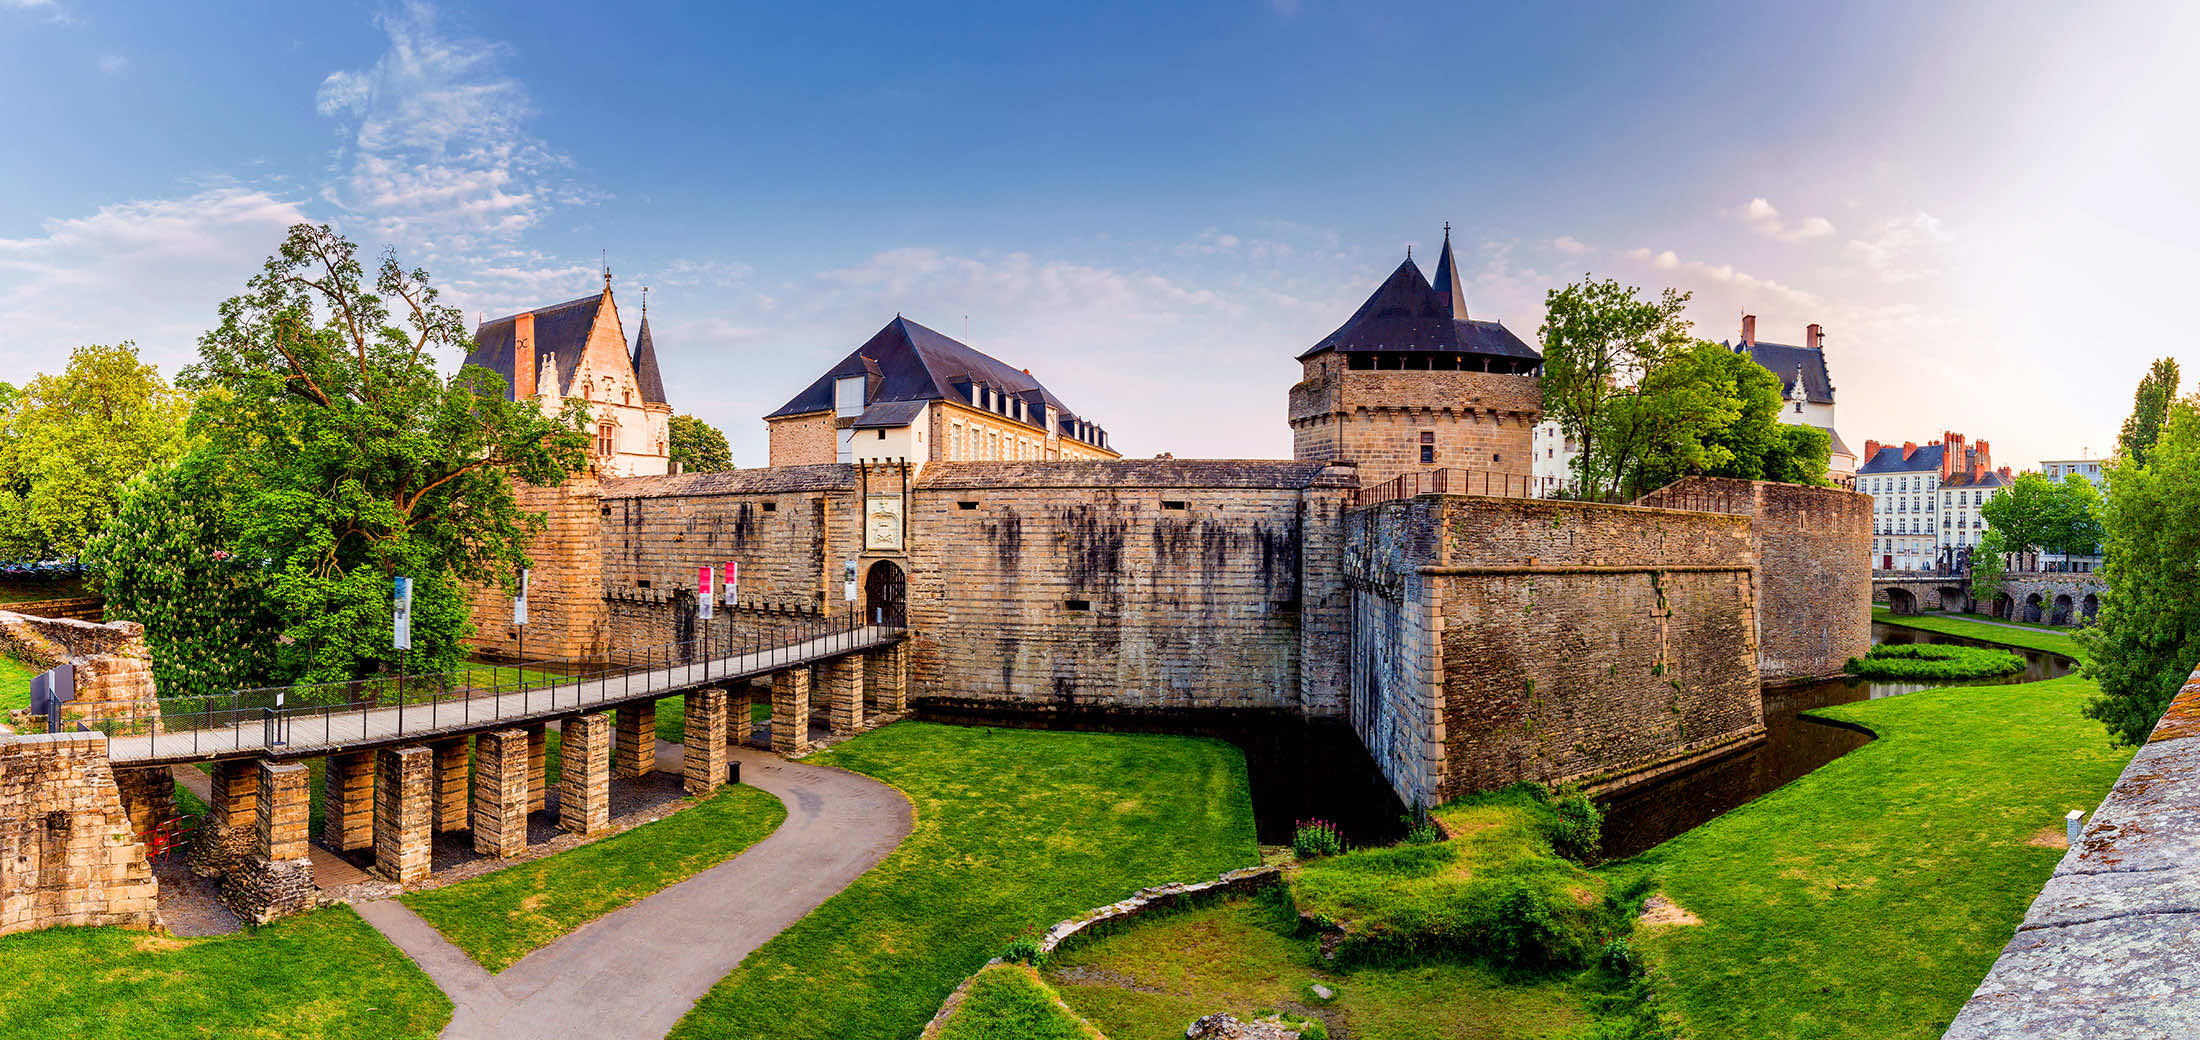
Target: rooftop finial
x,y
645,301
1409,250
605,255
1447,231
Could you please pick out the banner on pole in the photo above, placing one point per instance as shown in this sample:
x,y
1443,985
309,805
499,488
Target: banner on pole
x,y
519,602
732,583
402,630
848,579
704,599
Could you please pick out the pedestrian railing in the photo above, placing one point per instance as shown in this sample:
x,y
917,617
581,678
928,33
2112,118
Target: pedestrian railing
x,y
313,716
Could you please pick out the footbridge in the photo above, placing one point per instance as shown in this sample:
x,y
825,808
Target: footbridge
x,y
2039,597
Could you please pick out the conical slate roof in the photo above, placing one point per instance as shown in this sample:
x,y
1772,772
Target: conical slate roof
x,y
1408,314
646,373
1447,281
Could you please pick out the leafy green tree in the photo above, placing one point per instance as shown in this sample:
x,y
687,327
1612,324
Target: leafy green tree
x,y
1989,564
2148,406
2145,641
1711,411
345,459
1600,341
70,442
698,446
2037,514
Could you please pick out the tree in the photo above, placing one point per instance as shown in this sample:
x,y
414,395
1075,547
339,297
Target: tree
x,y
1600,340
69,443
2143,645
344,459
699,447
2042,515
2148,405
1988,565
1713,412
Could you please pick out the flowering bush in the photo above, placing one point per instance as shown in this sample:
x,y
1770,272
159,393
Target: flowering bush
x,y
1317,838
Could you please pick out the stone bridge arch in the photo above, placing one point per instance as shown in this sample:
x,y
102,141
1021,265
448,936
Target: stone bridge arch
x,y
2034,609
1901,600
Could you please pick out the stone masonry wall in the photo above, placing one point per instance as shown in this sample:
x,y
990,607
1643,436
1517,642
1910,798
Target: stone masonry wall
x,y
803,440
566,615
114,669
1572,642
68,854
1813,568
1478,420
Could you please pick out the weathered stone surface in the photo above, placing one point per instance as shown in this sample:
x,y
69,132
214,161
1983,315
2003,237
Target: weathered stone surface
x,y
276,878
2107,949
841,682
706,740
1475,420
500,793
68,852
226,835
347,801
636,753
114,669
404,813
584,774
1160,898
452,768
148,795
538,766
791,711
1229,1027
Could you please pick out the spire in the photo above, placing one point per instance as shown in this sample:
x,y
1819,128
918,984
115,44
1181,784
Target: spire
x,y
1447,280
647,376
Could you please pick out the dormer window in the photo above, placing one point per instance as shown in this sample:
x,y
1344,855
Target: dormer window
x,y
848,396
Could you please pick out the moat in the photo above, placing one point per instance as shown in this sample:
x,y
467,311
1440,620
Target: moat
x,y
1640,818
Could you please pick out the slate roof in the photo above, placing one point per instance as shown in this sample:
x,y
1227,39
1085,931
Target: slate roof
x,y
908,362
1446,281
646,373
1839,446
1890,460
1124,473
890,414
1988,479
561,331
1407,313
1782,360
762,480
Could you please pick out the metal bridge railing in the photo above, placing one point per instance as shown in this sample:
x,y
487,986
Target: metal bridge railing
x,y
309,716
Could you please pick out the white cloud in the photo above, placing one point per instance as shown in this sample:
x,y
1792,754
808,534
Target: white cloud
x,y
435,140
1764,218
1569,245
49,8
113,64
1905,248
150,270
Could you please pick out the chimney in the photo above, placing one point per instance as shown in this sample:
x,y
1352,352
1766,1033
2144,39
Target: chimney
x,y
2006,476
1951,460
1749,330
1909,448
523,356
1871,450
1985,460
1814,337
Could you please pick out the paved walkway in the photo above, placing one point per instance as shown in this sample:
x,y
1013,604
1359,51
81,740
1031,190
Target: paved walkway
x,y
631,974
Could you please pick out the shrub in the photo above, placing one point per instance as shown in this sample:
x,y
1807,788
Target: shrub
x,y
1618,958
1934,661
1520,929
1024,950
1316,838
1422,832
1579,829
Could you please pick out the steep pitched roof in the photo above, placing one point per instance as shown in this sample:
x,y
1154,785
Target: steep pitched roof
x,y
1407,313
914,363
1890,460
1835,444
1783,360
561,331
1446,281
646,374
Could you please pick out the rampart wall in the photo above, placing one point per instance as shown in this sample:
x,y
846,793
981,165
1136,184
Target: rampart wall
x,y
68,852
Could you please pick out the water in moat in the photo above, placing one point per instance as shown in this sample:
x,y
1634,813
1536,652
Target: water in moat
x,y
1639,818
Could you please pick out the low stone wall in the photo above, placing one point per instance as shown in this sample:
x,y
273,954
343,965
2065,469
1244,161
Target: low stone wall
x,y
114,669
2107,950
68,853
80,608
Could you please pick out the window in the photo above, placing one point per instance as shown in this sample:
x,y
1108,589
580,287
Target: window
x,y
1076,604
848,396
1428,453
882,434
771,507
603,440
966,505
1168,503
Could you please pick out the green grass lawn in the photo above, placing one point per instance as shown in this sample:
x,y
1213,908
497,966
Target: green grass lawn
x,y
672,717
15,684
1015,829
1868,898
2052,640
1008,1002
1151,979
498,918
323,974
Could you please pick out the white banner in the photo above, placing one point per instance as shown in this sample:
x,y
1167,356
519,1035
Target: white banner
x,y
519,602
703,597
402,631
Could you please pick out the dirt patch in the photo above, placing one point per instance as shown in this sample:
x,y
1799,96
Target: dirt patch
x,y
2049,838
1659,910
151,943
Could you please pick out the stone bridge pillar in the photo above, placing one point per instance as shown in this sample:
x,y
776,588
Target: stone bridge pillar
x,y
706,740
538,766
450,784
842,679
226,837
276,877
636,751
887,673
791,711
500,793
347,801
404,813
741,715
584,774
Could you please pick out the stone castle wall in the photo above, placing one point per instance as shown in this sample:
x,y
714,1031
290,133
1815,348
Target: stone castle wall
x,y
566,615
114,668
68,852
1552,641
1813,550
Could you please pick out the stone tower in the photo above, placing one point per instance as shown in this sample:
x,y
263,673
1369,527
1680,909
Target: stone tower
x,y
1411,383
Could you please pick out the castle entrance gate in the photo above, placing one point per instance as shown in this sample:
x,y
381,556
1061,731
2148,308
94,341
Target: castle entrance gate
x,y
885,594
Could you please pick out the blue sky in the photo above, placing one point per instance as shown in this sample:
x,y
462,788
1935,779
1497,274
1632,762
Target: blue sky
x,y
1153,207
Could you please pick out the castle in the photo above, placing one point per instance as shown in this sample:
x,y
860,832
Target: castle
x,y
576,351
1468,639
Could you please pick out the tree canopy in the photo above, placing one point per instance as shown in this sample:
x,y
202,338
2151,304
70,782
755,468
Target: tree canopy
x,y
2144,642
2037,513
1600,341
1713,412
70,442
2149,404
343,458
699,447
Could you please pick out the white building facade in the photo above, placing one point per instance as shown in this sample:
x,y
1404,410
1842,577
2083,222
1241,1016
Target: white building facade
x,y
1926,501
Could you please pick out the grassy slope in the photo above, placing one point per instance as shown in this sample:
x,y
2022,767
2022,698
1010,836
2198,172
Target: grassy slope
x,y
500,917
2054,641
323,974
1015,829
1868,898
15,684
1008,1002
1150,980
